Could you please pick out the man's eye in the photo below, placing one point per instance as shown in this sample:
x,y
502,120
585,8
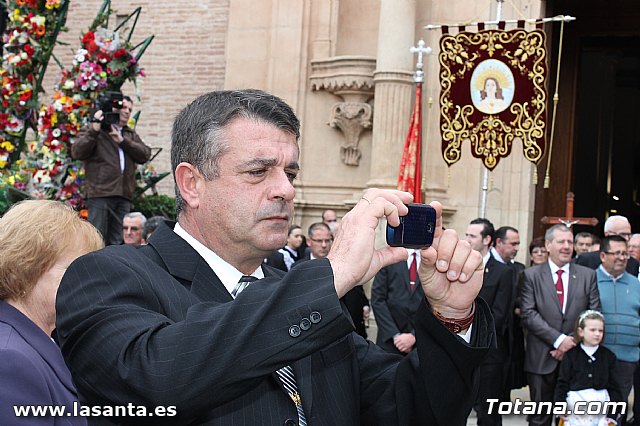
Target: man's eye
x,y
257,173
292,176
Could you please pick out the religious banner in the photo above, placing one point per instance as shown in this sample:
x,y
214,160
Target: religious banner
x,y
410,176
492,91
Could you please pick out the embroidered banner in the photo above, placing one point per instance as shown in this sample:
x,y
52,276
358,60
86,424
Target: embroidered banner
x,y
492,86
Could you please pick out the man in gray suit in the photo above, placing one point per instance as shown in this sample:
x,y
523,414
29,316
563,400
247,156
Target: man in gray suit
x,y
553,296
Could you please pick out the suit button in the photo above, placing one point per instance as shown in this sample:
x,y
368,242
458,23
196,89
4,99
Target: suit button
x,y
315,317
289,422
305,324
294,331
589,361
589,375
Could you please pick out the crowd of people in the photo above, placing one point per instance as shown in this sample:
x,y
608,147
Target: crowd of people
x,y
231,315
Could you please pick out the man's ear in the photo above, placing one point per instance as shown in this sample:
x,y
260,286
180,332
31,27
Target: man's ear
x,y
187,178
602,256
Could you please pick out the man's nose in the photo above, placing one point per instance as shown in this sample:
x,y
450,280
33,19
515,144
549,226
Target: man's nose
x,y
283,187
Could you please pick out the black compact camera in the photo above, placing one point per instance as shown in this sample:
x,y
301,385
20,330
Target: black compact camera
x,y
107,103
416,230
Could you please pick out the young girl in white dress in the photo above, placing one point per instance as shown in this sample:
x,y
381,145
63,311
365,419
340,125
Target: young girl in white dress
x,y
587,373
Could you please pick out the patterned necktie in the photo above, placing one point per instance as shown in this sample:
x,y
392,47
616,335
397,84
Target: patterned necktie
x,y
242,284
560,288
413,271
285,374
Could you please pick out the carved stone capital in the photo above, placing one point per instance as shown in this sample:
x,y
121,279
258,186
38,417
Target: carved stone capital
x,y
352,118
351,78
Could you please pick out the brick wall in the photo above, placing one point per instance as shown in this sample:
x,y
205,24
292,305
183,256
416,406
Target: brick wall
x,y
186,59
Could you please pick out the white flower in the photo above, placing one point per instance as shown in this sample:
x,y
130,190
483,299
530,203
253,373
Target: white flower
x,y
69,84
56,133
80,56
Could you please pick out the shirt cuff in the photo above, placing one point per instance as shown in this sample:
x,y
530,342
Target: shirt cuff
x,y
467,336
559,340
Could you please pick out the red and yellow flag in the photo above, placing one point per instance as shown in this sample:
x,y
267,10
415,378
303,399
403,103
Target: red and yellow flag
x,y
410,176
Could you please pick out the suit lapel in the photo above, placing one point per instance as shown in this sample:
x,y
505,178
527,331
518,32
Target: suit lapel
x,y
184,263
549,285
571,288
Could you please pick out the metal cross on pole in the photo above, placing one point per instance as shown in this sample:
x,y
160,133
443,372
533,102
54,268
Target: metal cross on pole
x,y
420,50
569,220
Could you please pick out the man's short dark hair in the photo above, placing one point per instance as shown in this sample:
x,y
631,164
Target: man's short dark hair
x,y
501,233
582,235
487,227
605,244
315,226
151,225
197,134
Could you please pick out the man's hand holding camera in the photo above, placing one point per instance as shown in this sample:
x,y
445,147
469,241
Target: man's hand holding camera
x,y
450,271
96,121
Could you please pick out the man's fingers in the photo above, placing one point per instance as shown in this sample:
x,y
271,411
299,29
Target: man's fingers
x,y
446,247
473,264
392,203
438,208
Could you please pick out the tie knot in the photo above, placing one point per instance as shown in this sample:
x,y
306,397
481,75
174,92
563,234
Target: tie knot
x,y
560,271
247,279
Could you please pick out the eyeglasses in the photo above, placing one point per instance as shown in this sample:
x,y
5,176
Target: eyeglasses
x,y
319,241
620,254
130,228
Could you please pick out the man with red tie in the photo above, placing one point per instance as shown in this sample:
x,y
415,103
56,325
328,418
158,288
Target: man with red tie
x,y
395,298
553,295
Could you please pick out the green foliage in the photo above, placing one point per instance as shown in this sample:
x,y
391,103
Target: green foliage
x,y
155,205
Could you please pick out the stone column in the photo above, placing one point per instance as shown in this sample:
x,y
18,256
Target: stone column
x,y
394,89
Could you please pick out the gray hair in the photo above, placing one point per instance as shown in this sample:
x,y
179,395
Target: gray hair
x,y
198,131
133,215
548,235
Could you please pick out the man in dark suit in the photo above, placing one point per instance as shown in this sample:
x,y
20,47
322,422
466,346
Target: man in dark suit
x,y
553,296
506,243
497,291
180,323
395,299
614,225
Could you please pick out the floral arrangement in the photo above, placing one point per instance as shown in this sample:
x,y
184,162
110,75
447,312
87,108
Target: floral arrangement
x,y
103,62
28,41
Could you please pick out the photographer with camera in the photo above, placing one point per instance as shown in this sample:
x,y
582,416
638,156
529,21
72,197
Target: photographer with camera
x,y
110,151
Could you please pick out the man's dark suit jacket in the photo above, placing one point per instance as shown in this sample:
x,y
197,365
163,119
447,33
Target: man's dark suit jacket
x,y
394,304
355,300
497,291
32,371
155,326
592,260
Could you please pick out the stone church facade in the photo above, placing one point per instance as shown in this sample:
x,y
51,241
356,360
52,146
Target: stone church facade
x,y
345,67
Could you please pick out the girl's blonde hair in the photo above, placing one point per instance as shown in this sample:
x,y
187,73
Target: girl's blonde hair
x,y
589,314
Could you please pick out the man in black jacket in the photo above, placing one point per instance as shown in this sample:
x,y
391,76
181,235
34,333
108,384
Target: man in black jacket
x,y
497,291
194,320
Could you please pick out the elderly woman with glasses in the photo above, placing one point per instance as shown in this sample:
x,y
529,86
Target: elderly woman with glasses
x,y
38,241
